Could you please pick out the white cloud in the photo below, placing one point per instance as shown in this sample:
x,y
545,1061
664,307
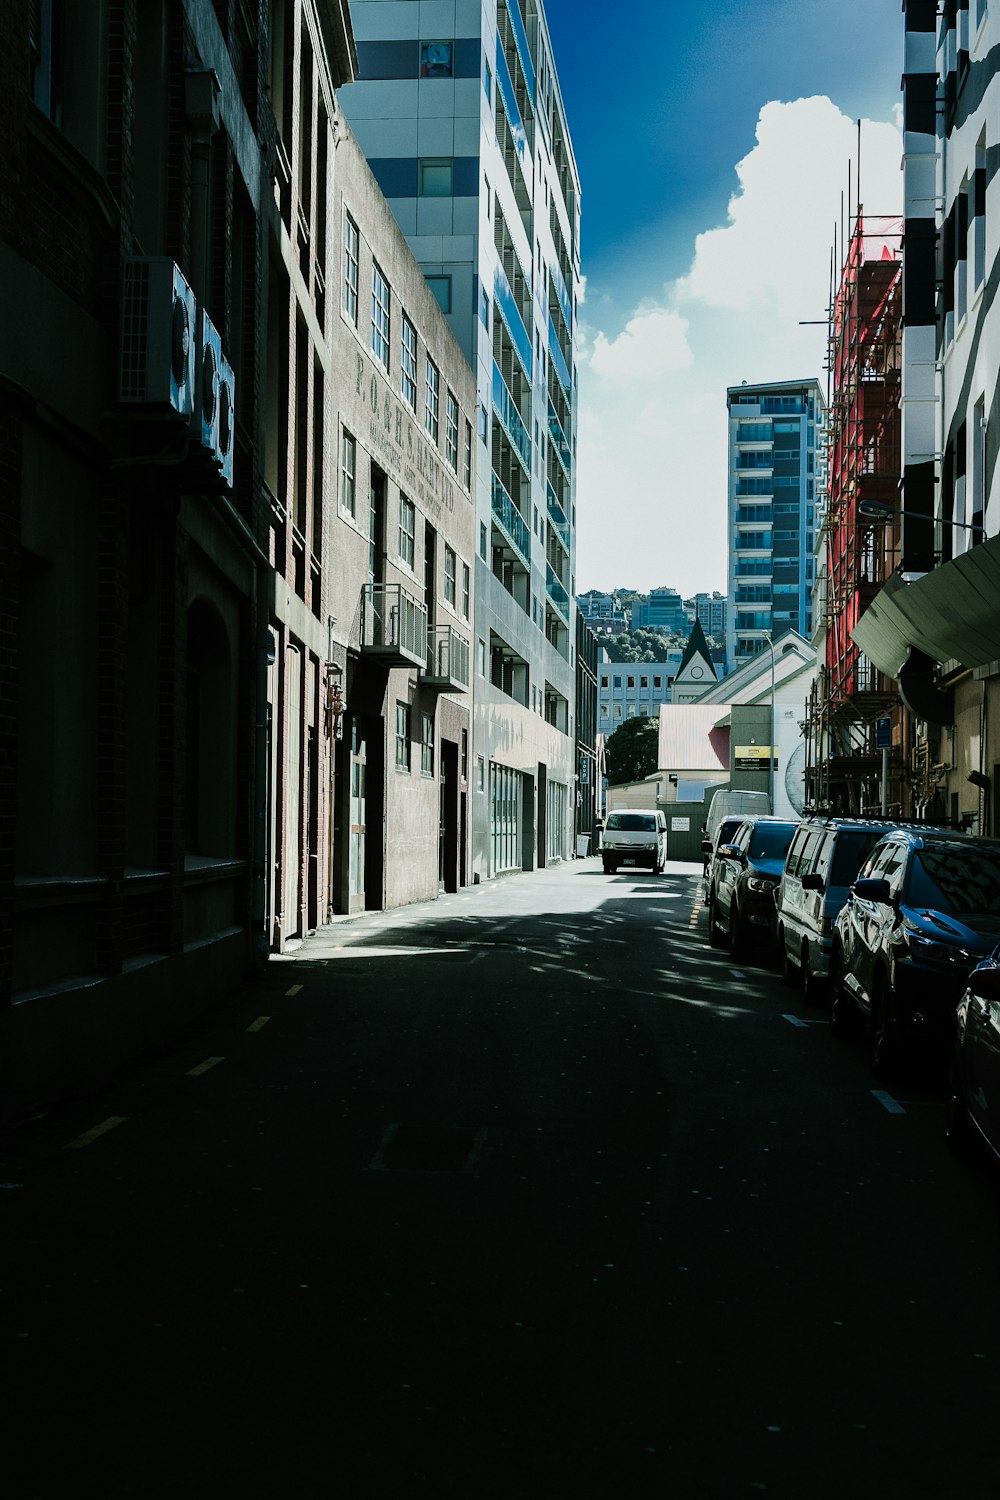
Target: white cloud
x,y
651,494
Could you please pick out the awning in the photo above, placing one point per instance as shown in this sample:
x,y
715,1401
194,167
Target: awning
x,y
952,613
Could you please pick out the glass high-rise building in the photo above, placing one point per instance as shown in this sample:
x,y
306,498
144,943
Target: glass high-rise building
x,y
459,113
777,465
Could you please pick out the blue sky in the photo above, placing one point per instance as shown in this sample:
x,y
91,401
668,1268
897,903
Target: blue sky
x,y
662,112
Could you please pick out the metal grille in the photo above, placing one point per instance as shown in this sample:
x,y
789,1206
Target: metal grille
x,y
135,331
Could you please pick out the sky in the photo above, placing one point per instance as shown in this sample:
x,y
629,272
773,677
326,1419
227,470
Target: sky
x,y
713,143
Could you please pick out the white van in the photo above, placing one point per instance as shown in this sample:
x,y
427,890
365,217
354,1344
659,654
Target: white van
x,y
730,804
634,838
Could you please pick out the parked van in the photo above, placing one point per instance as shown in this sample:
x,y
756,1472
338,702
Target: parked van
x,y
729,804
636,839
823,859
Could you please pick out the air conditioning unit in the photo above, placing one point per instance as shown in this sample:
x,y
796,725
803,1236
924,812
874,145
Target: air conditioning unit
x,y
227,421
208,363
157,349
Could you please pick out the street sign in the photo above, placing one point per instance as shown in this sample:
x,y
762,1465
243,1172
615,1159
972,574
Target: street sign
x,y
883,734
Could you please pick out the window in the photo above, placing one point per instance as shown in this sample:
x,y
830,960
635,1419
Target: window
x,y
480,774
351,243
451,431
45,37
348,459
402,737
465,755
426,745
380,317
450,577
481,657
407,530
435,177
604,682
630,682
408,362
468,455
435,59
657,682
432,400
466,590
441,289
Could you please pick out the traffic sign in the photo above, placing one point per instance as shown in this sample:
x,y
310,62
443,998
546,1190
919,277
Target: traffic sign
x,y
883,734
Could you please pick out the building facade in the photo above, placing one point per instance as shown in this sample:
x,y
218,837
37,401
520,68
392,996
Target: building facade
x,y
776,458
662,610
632,690
933,626
710,612
463,125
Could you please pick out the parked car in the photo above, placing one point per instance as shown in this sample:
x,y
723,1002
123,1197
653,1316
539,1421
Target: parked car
x,y
924,911
745,874
973,1111
824,857
635,839
723,835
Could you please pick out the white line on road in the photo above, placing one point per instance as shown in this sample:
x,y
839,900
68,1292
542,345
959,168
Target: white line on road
x,y
810,1021
259,1023
203,1067
794,1021
888,1103
737,973
91,1135
296,987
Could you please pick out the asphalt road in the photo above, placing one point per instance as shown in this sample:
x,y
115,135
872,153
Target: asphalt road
x,y
527,1191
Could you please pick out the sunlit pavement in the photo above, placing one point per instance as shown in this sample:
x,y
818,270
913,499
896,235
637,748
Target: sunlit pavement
x,y
524,1191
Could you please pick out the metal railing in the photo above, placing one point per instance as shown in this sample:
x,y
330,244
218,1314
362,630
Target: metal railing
x,y
512,523
448,656
510,417
393,622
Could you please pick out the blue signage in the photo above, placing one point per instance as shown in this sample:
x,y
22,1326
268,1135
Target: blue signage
x,y
883,734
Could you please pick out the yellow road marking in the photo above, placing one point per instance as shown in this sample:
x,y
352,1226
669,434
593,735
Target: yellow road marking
x,y
203,1067
91,1135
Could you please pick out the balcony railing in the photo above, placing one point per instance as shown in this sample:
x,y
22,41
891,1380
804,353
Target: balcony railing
x,y
511,522
393,625
511,313
447,666
559,359
506,86
560,441
557,516
510,417
521,43
557,594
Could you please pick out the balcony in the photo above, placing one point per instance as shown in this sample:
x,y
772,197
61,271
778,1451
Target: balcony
x,y
521,43
557,516
447,666
559,360
511,314
393,626
505,85
510,418
559,441
511,522
558,596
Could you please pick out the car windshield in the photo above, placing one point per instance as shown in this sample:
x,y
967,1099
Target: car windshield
x,y
851,851
771,840
632,822
955,878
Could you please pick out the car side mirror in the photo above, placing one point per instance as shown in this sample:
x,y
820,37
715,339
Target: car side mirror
x,y
873,890
984,983
706,846
812,882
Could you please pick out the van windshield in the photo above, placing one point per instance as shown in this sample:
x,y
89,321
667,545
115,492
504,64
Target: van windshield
x,y
771,840
632,822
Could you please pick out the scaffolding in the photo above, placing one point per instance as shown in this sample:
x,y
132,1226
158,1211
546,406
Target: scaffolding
x,y
843,763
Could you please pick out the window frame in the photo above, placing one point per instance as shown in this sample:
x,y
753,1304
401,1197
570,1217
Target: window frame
x,y
404,739
451,429
352,262
407,534
451,577
432,401
381,317
348,476
427,745
408,362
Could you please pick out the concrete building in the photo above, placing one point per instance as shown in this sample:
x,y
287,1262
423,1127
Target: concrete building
x,y
662,610
630,690
933,626
604,613
459,113
403,532
776,456
710,611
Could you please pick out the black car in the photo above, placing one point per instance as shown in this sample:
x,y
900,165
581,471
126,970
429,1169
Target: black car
x,y
924,911
974,1084
745,874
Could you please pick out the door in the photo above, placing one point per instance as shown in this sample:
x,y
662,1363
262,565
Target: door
x,y
358,816
291,854
448,841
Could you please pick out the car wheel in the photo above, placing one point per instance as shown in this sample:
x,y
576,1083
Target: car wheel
x,y
884,1032
957,1125
738,944
789,972
715,934
610,868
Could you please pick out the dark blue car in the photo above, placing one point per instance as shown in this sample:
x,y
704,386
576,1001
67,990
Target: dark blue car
x,y
924,911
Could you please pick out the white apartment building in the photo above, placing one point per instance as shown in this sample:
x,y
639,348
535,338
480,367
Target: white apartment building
x,y
459,113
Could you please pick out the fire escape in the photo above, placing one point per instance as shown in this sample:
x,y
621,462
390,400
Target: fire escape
x,y
843,761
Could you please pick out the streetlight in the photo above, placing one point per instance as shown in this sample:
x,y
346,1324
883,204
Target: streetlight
x,y
772,747
877,510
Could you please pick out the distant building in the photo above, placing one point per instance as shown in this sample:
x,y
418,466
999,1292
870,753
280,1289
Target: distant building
x,y
604,613
776,486
696,670
662,610
631,690
710,611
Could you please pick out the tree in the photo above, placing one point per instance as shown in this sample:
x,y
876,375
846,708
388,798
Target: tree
x,y
632,752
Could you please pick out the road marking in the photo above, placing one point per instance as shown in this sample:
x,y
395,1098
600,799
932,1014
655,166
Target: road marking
x,y
794,1021
737,973
296,987
260,1022
203,1067
889,1104
809,1021
102,1129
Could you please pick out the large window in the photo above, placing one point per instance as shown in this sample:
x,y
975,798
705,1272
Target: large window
x,y
380,317
402,737
466,590
351,244
450,577
432,401
451,431
348,463
407,530
427,744
408,363
505,818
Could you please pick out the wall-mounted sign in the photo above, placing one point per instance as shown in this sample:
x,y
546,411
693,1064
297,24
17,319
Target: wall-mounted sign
x,y
753,757
680,825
